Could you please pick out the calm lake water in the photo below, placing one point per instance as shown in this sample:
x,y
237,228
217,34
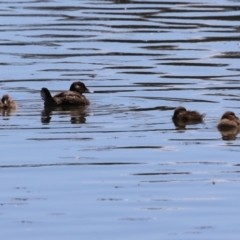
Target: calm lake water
x,y
119,168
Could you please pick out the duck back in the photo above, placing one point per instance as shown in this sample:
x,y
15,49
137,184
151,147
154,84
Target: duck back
x,y
70,98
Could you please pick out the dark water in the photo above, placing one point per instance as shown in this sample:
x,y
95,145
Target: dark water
x,y
119,168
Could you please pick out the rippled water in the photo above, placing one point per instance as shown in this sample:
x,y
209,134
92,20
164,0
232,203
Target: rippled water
x,y
119,168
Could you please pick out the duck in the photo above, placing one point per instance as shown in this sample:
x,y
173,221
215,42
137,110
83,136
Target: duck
x,y
188,117
229,126
7,103
66,98
229,120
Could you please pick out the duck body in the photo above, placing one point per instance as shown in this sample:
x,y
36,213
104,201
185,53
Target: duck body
x,y
188,117
72,97
228,121
7,103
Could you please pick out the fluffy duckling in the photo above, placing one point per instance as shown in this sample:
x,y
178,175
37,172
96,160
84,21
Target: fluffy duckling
x,y
7,103
228,120
72,97
187,117
229,126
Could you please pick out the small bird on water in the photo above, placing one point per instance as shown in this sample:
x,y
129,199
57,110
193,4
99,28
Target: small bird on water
x,y
71,97
229,126
228,120
181,114
7,103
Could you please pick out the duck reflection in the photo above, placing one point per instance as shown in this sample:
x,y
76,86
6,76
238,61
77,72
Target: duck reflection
x,y
230,134
229,126
6,112
181,125
182,117
77,113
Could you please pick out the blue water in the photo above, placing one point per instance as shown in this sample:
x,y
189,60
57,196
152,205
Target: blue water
x,y
119,168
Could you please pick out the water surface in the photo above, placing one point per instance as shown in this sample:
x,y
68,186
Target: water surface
x,y
119,168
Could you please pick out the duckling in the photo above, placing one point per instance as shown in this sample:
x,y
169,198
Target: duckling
x,y
187,117
7,103
229,126
72,97
229,120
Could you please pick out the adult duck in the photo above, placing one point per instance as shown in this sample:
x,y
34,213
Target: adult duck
x,y
71,97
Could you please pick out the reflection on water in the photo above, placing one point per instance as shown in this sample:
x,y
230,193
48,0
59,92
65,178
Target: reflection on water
x,y
229,134
181,125
127,163
6,112
77,113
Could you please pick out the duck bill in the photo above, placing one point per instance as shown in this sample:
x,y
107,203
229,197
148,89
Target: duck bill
x,y
88,91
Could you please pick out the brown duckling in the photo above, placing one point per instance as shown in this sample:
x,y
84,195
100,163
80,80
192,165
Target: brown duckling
x,y
188,117
229,120
7,103
229,126
72,97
